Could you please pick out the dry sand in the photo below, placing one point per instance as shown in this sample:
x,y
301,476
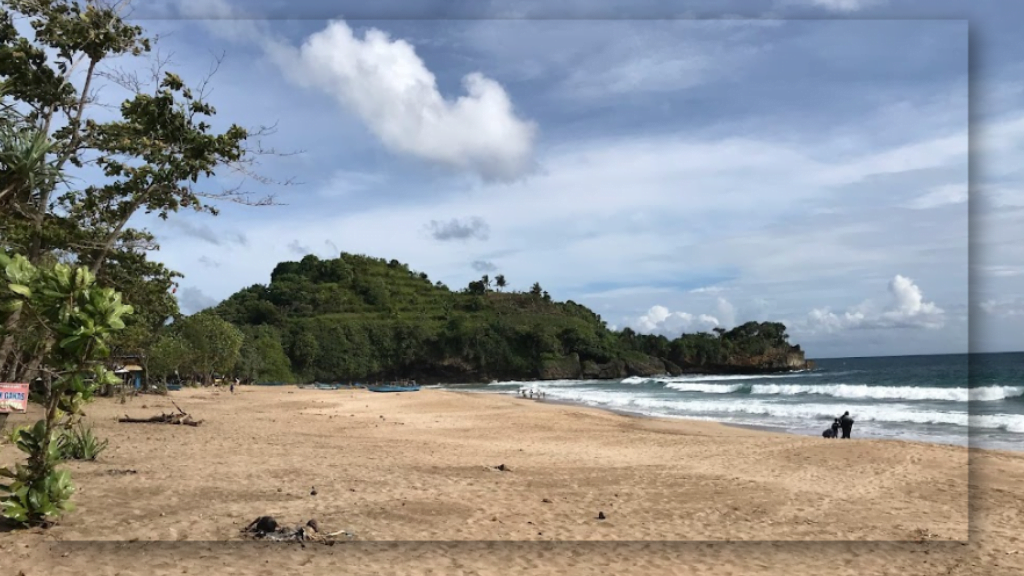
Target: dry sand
x,y
412,476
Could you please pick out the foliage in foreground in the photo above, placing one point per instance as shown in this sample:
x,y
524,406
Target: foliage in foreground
x,y
65,305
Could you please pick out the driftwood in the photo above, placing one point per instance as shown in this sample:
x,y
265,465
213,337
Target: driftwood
x,y
181,418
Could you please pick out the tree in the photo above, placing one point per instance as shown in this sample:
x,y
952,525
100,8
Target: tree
x,y
486,280
262,356
536,290
305,349
159,156
167,356
67,305
499,281
213,344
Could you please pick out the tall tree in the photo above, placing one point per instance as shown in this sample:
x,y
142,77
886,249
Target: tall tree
x,y
213,344
499,281
158,156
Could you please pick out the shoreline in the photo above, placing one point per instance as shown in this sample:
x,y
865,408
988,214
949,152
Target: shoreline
x,y
750,427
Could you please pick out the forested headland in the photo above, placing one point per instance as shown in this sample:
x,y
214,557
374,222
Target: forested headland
x,y
361,318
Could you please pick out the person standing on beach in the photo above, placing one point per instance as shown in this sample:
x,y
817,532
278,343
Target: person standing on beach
x,y
835,428
846,422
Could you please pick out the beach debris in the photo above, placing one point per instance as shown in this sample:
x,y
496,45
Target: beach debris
x,y
262,525
313,491
922,534
122,472
267,528
181,418
502,468
546,501
601,516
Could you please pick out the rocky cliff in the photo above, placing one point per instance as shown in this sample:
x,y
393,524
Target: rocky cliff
x,y
570,368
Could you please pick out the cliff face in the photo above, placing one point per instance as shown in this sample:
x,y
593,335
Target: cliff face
x,y
774,360
570,368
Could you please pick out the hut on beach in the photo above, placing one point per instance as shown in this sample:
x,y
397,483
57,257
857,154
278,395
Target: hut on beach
x,y
131,370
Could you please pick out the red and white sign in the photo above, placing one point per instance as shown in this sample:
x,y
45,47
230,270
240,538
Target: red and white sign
x,y
13,397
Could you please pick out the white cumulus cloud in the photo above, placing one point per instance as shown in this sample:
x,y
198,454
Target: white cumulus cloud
x,y
660,320
907,309
389,87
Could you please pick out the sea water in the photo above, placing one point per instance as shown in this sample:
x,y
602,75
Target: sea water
x,y
975,400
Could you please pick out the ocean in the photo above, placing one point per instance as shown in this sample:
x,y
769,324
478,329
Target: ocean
x,y
975,400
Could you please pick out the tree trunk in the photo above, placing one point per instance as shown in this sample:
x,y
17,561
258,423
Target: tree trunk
x,y
7,349
12,369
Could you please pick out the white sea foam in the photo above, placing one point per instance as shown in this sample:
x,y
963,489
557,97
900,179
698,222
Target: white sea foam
x,y
861,391
544,383
896,413
705,388
1007,422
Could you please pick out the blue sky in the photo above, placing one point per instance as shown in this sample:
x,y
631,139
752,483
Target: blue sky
x,y
803,161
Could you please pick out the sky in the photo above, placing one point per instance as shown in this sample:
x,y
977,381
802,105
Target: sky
x,y
801,161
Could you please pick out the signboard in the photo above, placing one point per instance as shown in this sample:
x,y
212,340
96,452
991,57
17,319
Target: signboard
x,y
13,397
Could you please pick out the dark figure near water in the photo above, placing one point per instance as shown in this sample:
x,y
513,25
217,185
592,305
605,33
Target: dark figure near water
x,y
846,423
835,428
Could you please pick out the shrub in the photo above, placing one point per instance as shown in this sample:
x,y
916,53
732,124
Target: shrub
x,y
79,443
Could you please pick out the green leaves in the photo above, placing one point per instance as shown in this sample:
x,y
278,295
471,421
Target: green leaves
x,y
37,493
79,443
63,302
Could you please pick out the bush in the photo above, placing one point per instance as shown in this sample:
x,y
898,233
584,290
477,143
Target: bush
x,y
79,443
33,497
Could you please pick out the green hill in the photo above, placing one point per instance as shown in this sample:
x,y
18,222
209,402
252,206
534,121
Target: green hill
x,y
363,318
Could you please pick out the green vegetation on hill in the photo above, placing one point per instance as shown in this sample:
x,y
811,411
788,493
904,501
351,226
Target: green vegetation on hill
x,y
359,318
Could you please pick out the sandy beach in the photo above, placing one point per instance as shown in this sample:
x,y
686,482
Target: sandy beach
x,y
412,477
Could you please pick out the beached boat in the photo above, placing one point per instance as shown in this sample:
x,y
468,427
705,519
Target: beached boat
x,y
173,387
320,386
394,388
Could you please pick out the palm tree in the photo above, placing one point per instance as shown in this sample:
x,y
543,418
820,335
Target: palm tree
x,y
487,281
500,281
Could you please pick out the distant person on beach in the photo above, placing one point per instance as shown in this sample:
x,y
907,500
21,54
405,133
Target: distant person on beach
x,y
835,428
846,423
